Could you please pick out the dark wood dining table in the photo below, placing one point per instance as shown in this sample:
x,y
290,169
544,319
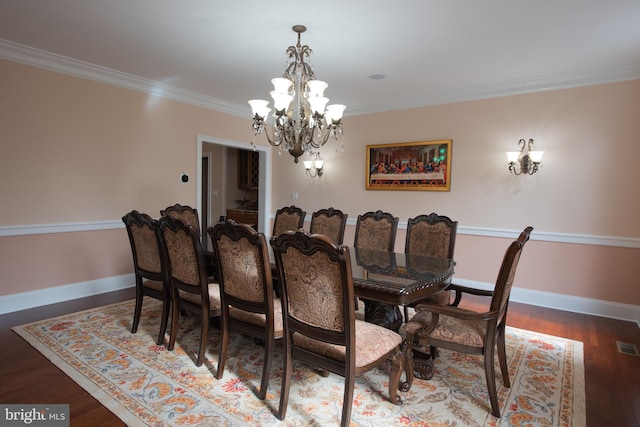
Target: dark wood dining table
x,y
396,279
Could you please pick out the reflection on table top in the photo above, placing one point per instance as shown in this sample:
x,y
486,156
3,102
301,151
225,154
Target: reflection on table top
x,y
398,278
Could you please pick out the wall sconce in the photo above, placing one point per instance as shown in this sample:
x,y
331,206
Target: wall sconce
x,y
314,168
528,160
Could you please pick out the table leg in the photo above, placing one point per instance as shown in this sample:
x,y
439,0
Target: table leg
x,y
382,314
422,365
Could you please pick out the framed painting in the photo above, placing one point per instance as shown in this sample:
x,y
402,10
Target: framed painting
x,y
421,166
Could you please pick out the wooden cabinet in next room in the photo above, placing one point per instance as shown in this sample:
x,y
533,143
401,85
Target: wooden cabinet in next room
x,y
248,169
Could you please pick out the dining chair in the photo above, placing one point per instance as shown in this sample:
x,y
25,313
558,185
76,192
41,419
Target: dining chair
x,y
246,291
466,331
431,235
330,222
190,287
148,267
183,212
289,218
190,216
319,320
376,230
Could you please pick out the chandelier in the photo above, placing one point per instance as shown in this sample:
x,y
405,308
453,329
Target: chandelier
x,y
528,161
302,121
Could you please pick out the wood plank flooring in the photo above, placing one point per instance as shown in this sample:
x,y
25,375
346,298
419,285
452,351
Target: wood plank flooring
x,y
612,378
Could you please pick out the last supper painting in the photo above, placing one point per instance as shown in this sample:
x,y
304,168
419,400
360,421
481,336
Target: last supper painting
x,y
422,166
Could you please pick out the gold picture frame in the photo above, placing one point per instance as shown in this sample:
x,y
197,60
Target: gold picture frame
x,y
420,166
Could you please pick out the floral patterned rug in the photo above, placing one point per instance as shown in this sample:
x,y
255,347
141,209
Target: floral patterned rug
x,y
144,384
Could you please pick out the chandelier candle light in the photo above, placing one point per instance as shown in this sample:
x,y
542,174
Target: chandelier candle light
x,y
302,121
528,160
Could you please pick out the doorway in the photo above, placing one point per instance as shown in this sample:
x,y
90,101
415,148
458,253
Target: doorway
x,y
219,171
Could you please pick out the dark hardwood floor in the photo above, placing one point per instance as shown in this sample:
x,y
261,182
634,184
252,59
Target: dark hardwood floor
x,y
612,378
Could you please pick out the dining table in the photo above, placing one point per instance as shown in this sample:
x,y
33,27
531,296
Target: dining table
x,y
393,279
385,280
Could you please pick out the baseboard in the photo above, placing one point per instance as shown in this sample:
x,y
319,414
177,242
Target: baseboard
x,y
32,299
593,307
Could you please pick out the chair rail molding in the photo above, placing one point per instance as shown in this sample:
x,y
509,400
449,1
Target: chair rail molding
x,y
545,236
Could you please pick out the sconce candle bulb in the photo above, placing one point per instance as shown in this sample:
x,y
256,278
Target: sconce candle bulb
x,y
528,161
314,168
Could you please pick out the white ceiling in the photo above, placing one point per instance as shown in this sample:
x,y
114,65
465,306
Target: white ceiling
x,y
222,53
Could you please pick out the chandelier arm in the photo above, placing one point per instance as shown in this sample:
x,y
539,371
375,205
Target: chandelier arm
x,y
272,140
324,137
270,132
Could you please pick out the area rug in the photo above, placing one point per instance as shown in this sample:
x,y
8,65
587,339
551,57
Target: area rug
x,y
144,384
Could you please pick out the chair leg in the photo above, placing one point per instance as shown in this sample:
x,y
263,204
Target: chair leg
x,y
407,349
266,367
138,308
406,314
502,358
204,334
174,323
286,380
349,385
489,372
222,354
397,363
166,306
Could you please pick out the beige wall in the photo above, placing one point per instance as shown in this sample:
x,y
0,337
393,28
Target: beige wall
x,y
78,151
589,172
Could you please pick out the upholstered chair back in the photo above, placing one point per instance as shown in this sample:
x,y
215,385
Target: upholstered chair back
x,y
330,222
242,255
316,289
185,213
431,235
376,230
504,283
290,218
142,231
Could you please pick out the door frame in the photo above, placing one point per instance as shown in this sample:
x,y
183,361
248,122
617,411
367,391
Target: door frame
x,y
264,190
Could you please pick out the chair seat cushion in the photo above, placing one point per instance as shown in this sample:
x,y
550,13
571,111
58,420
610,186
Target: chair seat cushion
x,y
372,343
153,284
259,319
214,296
452,329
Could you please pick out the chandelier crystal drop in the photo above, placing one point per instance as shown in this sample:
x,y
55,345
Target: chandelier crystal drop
x,y
301,121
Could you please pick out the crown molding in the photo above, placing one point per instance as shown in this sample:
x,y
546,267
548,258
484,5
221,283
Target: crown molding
x,y
506,88
50,61
62,64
